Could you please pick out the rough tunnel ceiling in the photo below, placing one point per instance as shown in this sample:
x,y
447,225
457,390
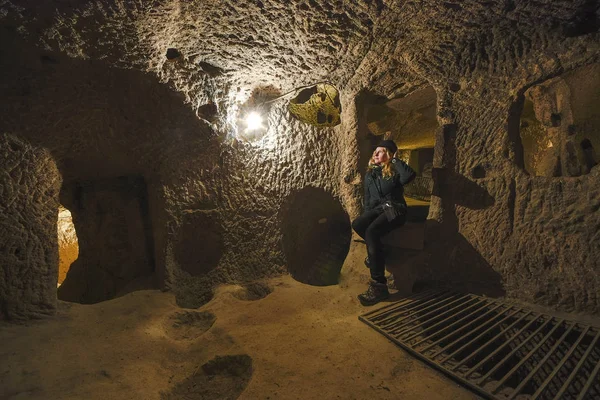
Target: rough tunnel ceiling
x,y
411,120
123,120
417,100
291,44
253,43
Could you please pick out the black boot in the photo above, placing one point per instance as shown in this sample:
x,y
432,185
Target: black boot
x,y
374,294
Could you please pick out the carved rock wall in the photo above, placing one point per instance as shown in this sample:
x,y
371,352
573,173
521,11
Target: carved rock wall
x,y
116,88
29,185
534,238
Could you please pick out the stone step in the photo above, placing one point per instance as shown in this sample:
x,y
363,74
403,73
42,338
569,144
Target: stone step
x,y
410,236
417,213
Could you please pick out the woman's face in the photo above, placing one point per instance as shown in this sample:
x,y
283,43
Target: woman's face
x,y
380,155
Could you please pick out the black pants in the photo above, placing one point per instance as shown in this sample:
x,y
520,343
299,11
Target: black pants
x,y
372,226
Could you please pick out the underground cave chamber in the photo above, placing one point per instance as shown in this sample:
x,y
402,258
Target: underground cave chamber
x,y
513,145
130,116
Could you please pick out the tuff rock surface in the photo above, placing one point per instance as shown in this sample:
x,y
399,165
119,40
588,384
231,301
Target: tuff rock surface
x,y
152,93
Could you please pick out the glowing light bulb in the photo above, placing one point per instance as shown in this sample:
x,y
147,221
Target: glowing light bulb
x,y
253,121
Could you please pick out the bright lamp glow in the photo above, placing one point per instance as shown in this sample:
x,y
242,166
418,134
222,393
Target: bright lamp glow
x,y
253,122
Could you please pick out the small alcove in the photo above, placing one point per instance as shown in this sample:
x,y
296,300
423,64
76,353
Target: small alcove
x,y
559,124
316,236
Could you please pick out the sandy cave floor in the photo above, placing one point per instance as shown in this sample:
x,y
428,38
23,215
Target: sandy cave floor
x,y
305,342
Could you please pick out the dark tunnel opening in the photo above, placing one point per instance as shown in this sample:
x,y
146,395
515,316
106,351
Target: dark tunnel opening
x,y
116,251
411,122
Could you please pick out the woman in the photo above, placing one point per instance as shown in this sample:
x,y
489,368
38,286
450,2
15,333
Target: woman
x,y
385,210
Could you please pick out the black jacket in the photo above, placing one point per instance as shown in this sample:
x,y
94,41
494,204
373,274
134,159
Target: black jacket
x,y
379,189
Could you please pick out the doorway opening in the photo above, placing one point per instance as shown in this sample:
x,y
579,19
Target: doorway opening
x,y
411,122
68,244
114,231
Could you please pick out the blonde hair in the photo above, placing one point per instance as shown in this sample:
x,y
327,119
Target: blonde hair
x,y
386,169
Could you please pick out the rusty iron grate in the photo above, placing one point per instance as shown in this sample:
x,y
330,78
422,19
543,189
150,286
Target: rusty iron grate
x,y
500,350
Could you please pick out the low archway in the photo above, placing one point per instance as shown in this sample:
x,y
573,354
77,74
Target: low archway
x,y
115,239
411,122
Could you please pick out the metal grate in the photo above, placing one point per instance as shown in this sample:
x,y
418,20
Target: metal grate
x,y
500,350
